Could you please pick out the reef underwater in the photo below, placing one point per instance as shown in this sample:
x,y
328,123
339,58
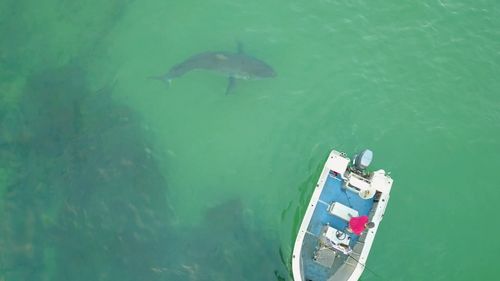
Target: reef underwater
x,y
86,199
86,192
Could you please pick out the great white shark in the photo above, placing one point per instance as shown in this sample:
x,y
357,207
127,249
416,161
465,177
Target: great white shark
x,y
232,65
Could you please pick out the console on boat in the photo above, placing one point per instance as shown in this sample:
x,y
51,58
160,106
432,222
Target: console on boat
x,y
324,249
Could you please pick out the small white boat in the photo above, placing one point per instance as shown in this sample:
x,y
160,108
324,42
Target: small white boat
x,y
325,249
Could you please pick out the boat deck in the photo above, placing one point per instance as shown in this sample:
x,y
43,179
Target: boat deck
x,y
332,192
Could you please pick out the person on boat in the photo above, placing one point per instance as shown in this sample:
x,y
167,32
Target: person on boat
x,y
359,224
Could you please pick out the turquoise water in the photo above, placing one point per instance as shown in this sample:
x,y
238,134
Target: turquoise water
x,y
108,175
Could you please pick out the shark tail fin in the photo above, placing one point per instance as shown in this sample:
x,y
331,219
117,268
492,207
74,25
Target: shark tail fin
x,y
165,78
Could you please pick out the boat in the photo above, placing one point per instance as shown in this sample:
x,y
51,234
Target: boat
x,y
326,249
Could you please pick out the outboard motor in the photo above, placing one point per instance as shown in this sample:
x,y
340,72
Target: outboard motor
x,y
363,160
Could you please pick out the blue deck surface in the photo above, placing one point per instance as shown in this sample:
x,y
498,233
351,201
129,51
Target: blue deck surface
x,y
334,192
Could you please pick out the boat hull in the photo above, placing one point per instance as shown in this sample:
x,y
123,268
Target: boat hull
x,y
324,249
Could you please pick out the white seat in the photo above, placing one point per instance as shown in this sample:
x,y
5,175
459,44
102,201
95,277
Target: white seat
x,y
342,211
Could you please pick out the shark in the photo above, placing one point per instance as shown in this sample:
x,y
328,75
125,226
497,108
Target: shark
x,y
234,65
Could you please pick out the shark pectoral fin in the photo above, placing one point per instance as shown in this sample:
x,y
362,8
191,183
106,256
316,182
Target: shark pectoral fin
x,y
230,85
240,47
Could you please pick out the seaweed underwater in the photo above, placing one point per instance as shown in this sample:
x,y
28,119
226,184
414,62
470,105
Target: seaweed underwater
x,y
86,199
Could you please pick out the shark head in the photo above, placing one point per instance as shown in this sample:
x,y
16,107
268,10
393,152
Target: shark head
x,y
257,69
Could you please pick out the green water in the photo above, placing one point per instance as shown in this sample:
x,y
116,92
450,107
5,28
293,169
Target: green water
x,y
107,175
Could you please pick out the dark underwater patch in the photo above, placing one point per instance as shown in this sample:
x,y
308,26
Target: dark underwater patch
x,y
88,200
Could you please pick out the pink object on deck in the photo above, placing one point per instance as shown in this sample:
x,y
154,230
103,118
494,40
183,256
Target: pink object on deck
x,y
357,224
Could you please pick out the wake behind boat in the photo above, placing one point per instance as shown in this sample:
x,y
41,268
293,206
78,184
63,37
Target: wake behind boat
x,y
326,249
